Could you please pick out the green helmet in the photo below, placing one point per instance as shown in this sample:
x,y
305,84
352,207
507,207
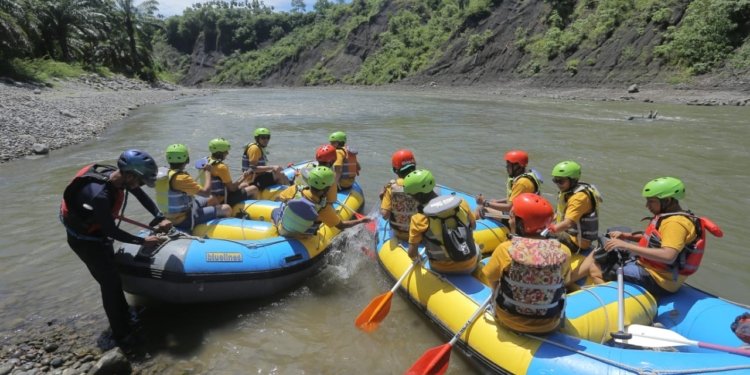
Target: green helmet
x,y
177,153
218,145
664,187
261,131
419,181
569,169
337,137
321,178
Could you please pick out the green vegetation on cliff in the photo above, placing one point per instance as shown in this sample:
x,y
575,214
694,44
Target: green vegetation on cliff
x,y
711,32
375,41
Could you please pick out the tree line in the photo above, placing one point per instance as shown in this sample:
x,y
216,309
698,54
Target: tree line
x,y
120,35
116,34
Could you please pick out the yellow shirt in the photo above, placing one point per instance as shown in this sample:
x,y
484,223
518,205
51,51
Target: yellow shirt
x,y
492,272
327,215
344,182
185,183
579,204
419,225
331,195
254,153
522,185
676,232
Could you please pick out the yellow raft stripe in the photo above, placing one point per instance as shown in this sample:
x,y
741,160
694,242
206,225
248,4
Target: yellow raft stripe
x,y
260,226
452,309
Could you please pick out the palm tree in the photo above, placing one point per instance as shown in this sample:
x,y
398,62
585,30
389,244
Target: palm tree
x,y
70,23
14,24
134,27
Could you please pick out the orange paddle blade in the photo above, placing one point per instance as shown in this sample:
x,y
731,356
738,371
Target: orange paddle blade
x,y
367,251
369,319
371,226
433,362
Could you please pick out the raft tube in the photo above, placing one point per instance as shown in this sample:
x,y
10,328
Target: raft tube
x,y
230,258
583,344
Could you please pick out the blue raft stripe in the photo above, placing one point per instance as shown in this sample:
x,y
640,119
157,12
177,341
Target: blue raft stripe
x,y
701,307
566,359
259,255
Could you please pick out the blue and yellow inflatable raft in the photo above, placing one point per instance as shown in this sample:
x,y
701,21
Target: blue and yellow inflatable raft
x,y
231,258
583,345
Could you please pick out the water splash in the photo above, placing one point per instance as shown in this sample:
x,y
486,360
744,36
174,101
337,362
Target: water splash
x,y
349,253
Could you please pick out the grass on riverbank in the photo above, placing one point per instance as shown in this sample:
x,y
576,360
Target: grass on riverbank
x,y
43,70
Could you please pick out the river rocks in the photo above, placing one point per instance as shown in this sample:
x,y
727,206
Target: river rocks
x,y
112,362
72,111
40,149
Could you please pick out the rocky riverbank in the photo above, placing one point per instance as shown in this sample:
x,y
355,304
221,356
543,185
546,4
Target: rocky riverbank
x,y
698,95
67,348
36,118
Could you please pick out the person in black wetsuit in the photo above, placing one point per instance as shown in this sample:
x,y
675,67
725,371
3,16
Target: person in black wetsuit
x,y
89,207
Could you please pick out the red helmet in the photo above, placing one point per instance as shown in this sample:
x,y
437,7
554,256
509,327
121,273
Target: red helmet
x,y
534,210
517,157
402,158
325,154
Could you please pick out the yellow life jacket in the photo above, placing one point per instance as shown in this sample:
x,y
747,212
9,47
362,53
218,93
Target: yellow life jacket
x,y
171,201
588,226
449,236
530,175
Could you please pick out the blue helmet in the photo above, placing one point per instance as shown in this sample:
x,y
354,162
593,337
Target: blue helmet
x,y
140,163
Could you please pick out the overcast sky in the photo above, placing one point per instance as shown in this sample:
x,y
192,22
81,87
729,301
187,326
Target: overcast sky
x,y
173,7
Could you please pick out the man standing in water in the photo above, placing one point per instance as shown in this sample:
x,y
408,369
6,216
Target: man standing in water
x,y
89,207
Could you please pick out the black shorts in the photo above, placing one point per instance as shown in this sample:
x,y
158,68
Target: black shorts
x,y
237,196
264,180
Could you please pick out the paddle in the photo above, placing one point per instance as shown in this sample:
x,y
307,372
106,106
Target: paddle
x,y
369,319
653,337
435,361
371,226
621,334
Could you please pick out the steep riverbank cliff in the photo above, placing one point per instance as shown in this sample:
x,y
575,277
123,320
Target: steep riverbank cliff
x,y
491,42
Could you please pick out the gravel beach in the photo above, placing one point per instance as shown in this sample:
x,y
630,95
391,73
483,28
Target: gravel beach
x,y
38,118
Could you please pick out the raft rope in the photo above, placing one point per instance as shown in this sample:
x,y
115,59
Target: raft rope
x,y
606,314
645,310
242,218
588,289
491,231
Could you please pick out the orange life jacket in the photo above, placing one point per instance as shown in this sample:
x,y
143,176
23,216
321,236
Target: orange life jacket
x,y
690,257
350,169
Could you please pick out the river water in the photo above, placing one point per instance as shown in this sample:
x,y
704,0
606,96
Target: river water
x,y
460,137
